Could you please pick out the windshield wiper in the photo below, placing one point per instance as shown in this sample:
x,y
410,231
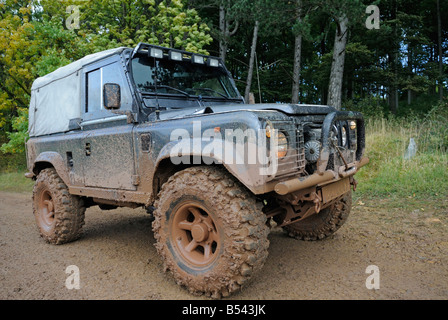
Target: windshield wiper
x,y
214,91
167,87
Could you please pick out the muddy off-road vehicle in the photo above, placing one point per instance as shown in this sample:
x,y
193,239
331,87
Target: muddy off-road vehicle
x,y
167,130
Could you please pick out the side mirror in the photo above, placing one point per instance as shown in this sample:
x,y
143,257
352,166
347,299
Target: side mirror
x,y
112,96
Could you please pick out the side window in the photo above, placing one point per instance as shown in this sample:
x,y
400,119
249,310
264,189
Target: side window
x,y
94,91
95,80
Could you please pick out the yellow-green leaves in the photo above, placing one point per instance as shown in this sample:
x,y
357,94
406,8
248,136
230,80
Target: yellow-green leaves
x,y
34,41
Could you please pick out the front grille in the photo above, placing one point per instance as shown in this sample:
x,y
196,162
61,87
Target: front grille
x,y
293,164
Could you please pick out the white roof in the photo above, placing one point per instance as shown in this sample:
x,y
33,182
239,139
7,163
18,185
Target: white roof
x,y
56,98
73,67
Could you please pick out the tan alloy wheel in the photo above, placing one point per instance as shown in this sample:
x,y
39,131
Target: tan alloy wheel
x,y
45,211
194,233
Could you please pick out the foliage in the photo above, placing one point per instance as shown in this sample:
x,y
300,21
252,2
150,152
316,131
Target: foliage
x,y
398,61
15,182
34,41
19,133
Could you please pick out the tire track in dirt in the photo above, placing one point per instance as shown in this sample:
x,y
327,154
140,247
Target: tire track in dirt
x,y
117,258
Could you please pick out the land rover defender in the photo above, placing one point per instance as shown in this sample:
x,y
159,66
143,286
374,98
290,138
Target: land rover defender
x,y
167,130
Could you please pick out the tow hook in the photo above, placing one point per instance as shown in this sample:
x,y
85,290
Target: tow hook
x,y
315,198
317,203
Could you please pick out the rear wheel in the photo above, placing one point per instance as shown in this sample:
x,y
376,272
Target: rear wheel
x,y
325,223
59,215
210,231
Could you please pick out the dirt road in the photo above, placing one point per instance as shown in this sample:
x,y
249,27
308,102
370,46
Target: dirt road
x,y
117,259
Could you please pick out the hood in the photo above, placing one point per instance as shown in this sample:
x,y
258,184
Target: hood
x,y
289,109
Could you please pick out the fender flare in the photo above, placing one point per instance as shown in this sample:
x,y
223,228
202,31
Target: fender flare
x,y
241,172
56,161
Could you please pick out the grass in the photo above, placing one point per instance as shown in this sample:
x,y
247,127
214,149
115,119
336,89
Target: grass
x,y
15,182
389,175
12,173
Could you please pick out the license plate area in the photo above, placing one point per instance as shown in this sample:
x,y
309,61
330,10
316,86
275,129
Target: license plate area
x,y
335,190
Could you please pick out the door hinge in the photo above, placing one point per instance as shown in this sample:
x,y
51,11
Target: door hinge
x,y
135,180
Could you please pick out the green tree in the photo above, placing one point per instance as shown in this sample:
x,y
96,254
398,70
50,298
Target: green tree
x,y
34,41
29,48
106,24
263,17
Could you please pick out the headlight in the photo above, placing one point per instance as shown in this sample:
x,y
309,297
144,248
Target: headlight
x,y
281,141
269,129
282,145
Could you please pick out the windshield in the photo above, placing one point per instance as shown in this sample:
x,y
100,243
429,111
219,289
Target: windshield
x,y
181,78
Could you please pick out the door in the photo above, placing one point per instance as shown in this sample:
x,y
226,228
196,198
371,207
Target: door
x,y
108,147
109,157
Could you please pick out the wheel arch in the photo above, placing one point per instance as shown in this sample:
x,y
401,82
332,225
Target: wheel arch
x,y
54,160
165,167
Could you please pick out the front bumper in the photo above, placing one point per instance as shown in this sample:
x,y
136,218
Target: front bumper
x,y
297,184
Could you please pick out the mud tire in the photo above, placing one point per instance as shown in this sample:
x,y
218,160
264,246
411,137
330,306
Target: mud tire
x,y
322,225
59,215
240,226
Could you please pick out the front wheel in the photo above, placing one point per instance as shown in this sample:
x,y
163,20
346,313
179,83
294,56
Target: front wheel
x,y
210,231
325,223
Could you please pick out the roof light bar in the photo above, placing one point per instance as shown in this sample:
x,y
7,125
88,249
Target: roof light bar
x,y
197,59
176,55
213,62
156,53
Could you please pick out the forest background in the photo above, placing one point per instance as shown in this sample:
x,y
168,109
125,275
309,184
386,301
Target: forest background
x,y
385,58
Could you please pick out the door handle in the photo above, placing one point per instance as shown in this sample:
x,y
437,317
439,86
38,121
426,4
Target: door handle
x,y
88,149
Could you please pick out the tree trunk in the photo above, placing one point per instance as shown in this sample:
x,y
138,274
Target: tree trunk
x,y
439,40
410,70
323,48
222,29
225,32
252,61
337,67
297,59
393,93
393,60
